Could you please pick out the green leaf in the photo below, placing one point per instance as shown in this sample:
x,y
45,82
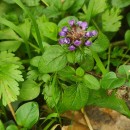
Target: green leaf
x,y
124,70
10,46
29,90
127,38
67,4
101,43
98,6
64,21
27,114
52,93
53,56
120,3
31,2
77,5
111,20
25,28
2,126
8,34
110,81
12,127
91,82
35,60
10,75
48,29
74,98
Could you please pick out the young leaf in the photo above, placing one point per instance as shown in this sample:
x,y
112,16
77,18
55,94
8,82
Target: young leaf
x,y
101,43
111,20
74,98
57,59
90,82
52,93
110,81
29,90
10,75
27,114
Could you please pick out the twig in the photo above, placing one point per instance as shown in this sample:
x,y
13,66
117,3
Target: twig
x,y
87,119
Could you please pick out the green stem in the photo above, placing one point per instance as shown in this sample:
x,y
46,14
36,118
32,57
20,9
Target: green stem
x,y
99,62
117,43
49,124
18,2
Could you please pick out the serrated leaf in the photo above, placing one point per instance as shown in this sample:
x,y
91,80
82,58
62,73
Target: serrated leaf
x,y
120,3
52,93
111,20
110,81
90,82
10,46
98,6
10,75
57,59
101,43
27,115
74,98
29,90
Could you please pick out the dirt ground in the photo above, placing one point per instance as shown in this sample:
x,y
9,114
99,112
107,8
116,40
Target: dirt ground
x,y
100,119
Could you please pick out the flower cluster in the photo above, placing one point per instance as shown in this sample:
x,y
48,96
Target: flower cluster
x,y
76,35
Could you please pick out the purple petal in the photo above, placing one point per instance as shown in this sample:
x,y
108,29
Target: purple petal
x,y
77,42
62,33
72,48
67,40
88,43
65,29
84,25
88,34
79,23
61,41
71,22
94,33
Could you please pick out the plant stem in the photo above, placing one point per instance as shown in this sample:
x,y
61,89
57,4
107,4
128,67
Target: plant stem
x,y
12,111
118,43
87,119
99,62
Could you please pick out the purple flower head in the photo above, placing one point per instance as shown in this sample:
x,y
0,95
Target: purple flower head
x,y
94,33
66,40
71,22
84,25
65,29
77,42
88,34
72,48
62,33
61,41
88,43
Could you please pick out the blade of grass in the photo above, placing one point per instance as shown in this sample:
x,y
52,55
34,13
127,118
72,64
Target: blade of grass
x,y
17,30
19,3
